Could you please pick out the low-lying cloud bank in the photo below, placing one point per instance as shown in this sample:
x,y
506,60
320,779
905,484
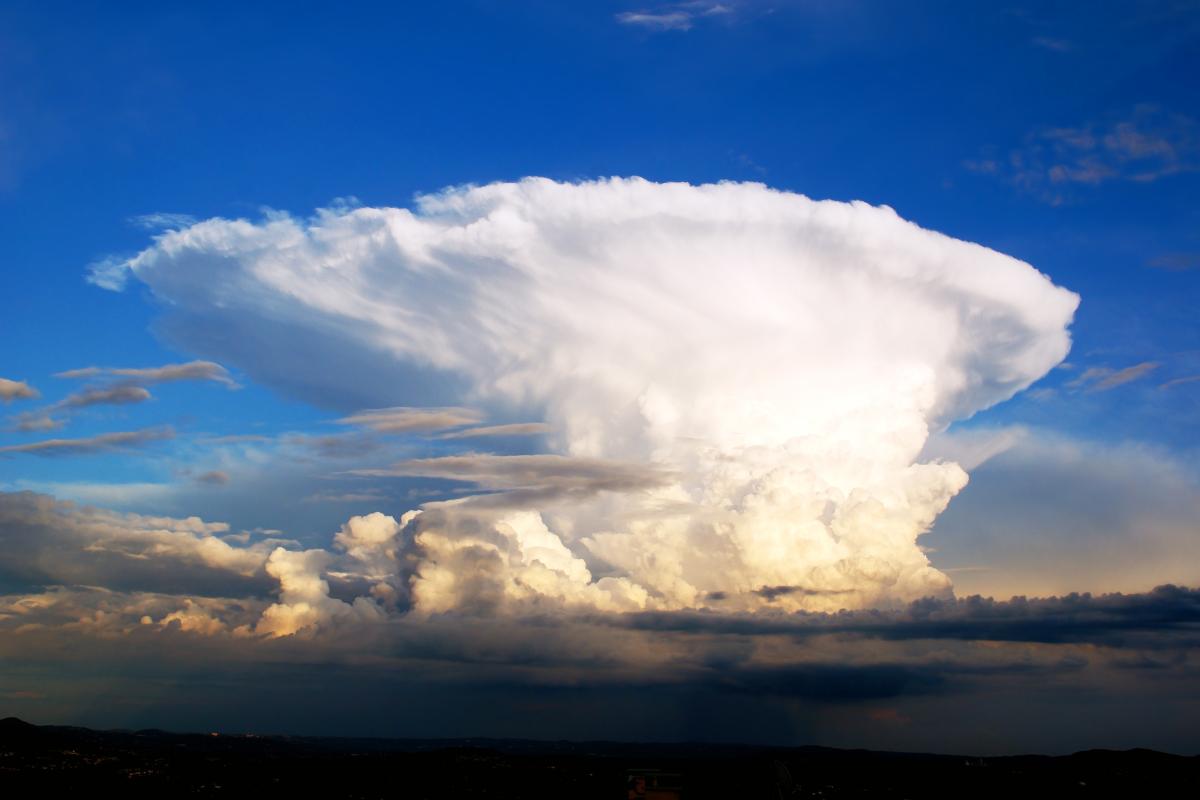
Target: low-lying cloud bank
x,y
358,637
372,575
735,383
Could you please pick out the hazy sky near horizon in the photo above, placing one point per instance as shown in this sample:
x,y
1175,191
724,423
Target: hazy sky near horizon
x,y
543,361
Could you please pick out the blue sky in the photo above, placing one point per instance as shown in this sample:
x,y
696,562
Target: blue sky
x,y
227,110
1066,135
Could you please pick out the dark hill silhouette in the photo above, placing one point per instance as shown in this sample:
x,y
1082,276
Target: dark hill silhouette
x,y
156,763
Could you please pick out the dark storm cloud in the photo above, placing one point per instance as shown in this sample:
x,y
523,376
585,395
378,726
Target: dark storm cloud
x,y
838,683
1171,611
772,592
151,598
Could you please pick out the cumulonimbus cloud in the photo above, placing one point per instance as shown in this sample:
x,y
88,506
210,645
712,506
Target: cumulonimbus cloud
x,y
783,359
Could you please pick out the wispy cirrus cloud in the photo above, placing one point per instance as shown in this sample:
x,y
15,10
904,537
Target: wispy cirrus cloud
x,y
162,221
104,442
1176,262
1148,144
458,423
118,386
109,395
353,445
359,496
110,272
31,421
1171,384
405,419
511,429
1053,44
554,472
1103,379
148,376
673,16
660,21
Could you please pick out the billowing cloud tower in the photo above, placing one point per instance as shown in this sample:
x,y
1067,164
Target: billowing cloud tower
x,y
737,381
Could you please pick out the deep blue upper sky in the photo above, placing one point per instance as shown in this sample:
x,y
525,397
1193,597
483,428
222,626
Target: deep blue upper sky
x,y
955,115
1066,134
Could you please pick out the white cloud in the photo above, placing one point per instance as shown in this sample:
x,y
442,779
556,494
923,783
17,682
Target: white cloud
x,y
662,21
784,360
110,272
305,606
16,390
673,16
162,220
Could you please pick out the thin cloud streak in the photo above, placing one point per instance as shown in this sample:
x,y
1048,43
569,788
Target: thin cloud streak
x,y
148,376
530,471
673,16
1146,146
1180,382
512,429
1103,379
162,221
32,421
95,444
666,21
1176,262
405,419
113,395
